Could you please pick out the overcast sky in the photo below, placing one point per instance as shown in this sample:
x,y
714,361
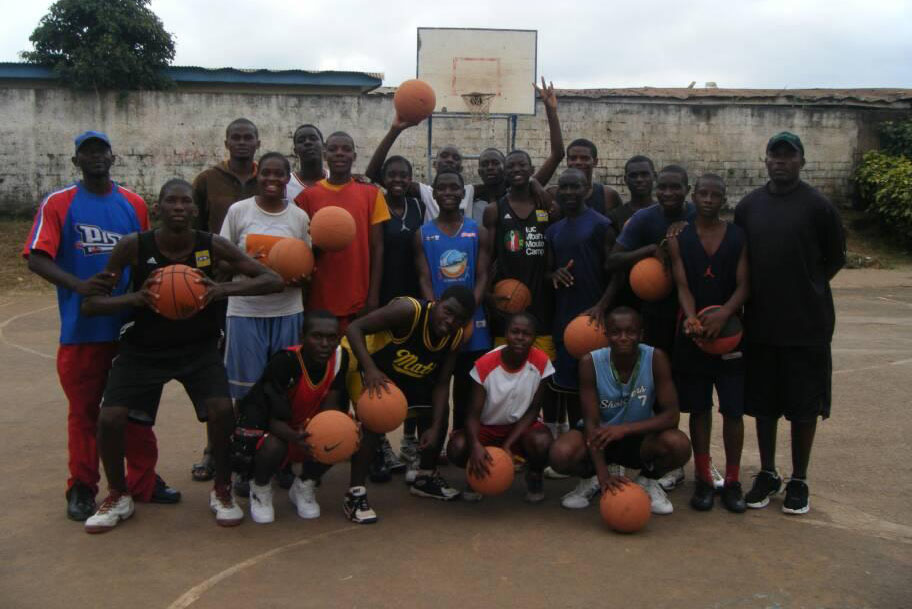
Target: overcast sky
x,y
595,43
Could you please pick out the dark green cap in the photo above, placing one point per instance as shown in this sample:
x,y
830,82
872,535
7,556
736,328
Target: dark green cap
x,y
789,138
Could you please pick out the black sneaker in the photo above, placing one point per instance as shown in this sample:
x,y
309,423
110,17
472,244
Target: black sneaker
x,y
796,497
164,493
703,496
393,463
378,470
733,498
285,477
433,485
766,484
356,508
80,502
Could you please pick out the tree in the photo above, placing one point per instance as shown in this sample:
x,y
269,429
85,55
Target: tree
x,y
103,44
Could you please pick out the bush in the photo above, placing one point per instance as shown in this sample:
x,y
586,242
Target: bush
x,y
885,186
896,138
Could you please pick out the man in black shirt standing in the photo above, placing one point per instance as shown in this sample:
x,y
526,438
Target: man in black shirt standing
x,y
797,246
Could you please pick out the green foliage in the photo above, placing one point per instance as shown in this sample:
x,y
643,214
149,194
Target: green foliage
x,y
103,44
885,185
896,138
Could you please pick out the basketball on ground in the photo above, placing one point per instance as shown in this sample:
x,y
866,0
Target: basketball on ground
x,y
332,229
179,292
584,335
650,280
500,473
511,296
728,339
333,436
626,510
383,413
291,258
414,100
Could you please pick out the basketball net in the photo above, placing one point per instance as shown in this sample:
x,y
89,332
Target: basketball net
x,y
478,104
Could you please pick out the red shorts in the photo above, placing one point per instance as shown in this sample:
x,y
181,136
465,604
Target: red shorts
x,y
293,454
494,435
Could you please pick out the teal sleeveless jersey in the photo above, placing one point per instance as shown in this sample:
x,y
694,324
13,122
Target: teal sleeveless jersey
x,y
628,402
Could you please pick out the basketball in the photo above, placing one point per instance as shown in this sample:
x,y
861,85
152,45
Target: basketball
x,y
332,229
179,292
627,510
500,473
467,331
584,335
259,245
727,340
650,280
333,436
291,258
384,413
414,100
511,296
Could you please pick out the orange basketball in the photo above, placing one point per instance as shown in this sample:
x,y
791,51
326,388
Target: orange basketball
x,y
384,413
332,229
650,280
500,473
467,331
259,245
179,292
291,258
511,296
333,436
584,335
627,510
414,100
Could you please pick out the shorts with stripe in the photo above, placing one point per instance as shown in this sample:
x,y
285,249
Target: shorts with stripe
x,y
251,341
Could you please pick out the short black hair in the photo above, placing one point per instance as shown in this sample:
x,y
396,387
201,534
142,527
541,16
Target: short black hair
x,y
171,184
639,158
242,121
461,294
495,150
395,159
307,126
710,176
573,170
528,316
678,170
518,151
340,134
448,173
276,155
623,310
313,315
583,143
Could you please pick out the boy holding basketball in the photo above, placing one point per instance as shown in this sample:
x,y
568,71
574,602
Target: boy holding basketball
x,y
630,413
414,345
154,350
503,410
298,383
709,265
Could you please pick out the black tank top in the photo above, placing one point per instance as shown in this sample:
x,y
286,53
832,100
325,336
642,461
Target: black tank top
x,y
151,330
596,200
520,251
399,275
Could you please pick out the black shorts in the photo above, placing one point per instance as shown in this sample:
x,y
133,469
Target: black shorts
x,y
695,392
626,452
137,377
791,381
659,330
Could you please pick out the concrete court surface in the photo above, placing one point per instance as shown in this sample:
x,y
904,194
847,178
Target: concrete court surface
x,y
854,549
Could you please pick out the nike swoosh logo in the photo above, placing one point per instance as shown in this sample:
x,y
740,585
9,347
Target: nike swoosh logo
x,y
327,448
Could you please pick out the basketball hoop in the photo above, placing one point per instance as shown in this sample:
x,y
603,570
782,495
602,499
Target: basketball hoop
x,y
478,104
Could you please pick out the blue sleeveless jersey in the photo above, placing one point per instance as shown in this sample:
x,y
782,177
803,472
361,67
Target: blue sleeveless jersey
x,y
453,261
624,403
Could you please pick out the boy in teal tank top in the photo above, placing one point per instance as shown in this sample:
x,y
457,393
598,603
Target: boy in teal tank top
x,y
630,414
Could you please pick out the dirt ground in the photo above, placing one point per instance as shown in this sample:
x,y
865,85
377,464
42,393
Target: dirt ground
x,y
854,549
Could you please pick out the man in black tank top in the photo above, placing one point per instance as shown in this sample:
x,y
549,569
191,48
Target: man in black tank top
x,y
155,350
583,155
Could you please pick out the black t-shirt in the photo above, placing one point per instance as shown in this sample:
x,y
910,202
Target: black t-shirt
x,y
795,243
399,275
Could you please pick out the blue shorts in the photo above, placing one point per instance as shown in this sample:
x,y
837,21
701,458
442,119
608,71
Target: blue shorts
x,y
251,341
695,392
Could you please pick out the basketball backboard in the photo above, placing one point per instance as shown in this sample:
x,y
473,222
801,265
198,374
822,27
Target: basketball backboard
x,y
458,61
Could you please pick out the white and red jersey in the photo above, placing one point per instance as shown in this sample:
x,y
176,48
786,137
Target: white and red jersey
x,y
509,391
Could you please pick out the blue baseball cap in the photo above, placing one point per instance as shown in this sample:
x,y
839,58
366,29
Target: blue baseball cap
x,y
91,135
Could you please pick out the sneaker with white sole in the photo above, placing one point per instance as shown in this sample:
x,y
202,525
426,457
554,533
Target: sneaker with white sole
x,y
658,500
356,508
766,484
115,507
552,474
227,512
432,485
672,479
393,463
408,449
303,496
411,472
535,487
261,510
469,494
796,497
717,478
585,491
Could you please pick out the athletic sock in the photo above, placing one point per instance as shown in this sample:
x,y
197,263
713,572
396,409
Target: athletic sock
x,y
701,467
731,473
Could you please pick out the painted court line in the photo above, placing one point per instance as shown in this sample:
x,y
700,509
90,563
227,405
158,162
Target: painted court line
x,y
6,341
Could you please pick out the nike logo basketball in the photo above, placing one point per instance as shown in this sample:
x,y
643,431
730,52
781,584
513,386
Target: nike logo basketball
x,y
328,449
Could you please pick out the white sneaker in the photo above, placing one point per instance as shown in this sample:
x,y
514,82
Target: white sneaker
x,y
552,474
672,479
411,472
469,494
717,478
304,498
616,470
261,510
113,509
584,492
227,512
657,497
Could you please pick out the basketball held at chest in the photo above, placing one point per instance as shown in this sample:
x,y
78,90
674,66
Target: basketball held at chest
x,y
332,229
291,258
511,296
650,280
179,292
